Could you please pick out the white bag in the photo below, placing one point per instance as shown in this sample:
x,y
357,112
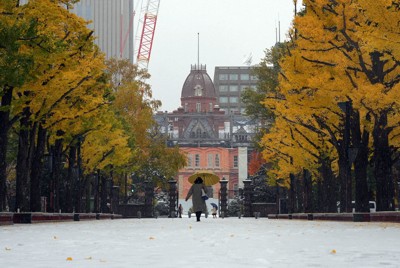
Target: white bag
x,y
204,195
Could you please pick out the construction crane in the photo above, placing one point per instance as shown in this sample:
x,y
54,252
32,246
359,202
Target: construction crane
x,y
148,21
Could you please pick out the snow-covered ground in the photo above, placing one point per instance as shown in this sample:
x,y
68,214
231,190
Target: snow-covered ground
x,y
229,242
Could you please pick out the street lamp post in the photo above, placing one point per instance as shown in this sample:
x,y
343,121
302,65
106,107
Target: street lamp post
x,y
172,197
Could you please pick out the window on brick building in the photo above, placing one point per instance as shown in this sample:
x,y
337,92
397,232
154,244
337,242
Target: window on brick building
x,y
217,160
235,161
210,160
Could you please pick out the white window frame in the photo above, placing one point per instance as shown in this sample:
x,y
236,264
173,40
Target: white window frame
x,y
198,107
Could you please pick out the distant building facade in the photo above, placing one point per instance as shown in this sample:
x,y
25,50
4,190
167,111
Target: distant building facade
x,y
230,82
211,139
112,22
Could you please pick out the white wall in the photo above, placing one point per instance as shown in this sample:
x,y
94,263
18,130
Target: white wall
x,y
242,165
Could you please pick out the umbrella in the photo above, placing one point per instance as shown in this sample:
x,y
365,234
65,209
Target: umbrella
x,y
209,177
214,205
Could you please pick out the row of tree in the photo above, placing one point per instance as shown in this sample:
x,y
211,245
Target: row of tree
x,y
71,122
331,93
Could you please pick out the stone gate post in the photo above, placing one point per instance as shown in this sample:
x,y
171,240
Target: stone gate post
x,y
247,192
223,197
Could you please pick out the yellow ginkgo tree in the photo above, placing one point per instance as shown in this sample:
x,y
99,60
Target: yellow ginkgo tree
x,y
41,47
134,105
340,78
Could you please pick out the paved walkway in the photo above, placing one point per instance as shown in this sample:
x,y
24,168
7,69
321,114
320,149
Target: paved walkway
x,y
229,242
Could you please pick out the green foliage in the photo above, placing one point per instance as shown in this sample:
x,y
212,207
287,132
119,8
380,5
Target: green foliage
x,y
15,34
234,207
267,74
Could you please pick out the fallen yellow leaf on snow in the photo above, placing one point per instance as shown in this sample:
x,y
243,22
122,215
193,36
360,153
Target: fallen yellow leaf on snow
x,y
69,259
333,251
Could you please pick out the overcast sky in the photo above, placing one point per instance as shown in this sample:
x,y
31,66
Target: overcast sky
x,y
229,31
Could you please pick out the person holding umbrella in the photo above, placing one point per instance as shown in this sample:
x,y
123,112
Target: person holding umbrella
x,y
196,191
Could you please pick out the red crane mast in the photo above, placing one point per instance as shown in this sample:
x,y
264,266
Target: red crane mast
x,y
149,21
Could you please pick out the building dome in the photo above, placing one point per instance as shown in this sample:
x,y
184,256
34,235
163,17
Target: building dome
x,y
198,84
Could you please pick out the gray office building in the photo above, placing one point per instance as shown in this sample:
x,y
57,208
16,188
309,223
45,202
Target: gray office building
x,y
230,82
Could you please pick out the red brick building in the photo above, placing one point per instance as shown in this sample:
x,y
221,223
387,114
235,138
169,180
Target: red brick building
x,y
212,139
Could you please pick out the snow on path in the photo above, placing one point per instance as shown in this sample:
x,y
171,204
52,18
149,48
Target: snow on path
x,y
229,242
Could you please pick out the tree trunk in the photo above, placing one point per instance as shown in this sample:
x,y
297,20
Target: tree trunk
x,y
97,192
103,195
79,178
360,142
37,169
70,180
308,206
344,164
278,197
382,153
57,170
125,189
4,128
382,165
320,200
23,164
329,193
291,194
299,204
88,190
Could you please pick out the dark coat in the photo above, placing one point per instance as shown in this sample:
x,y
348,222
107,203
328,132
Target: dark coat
x,y
198,203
